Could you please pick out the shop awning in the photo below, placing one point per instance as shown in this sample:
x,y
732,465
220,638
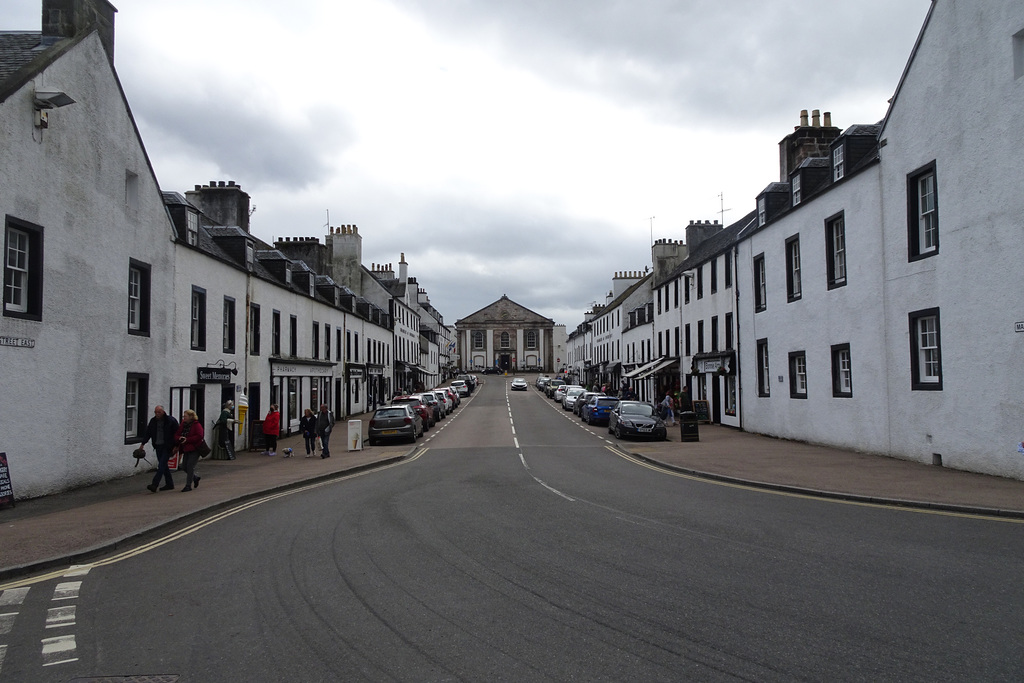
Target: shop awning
x,y
665,362
643,368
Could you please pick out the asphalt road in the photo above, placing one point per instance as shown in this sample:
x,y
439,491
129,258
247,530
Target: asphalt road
x,y
518,546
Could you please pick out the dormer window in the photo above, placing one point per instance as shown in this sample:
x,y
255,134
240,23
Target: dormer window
x,y
838,164
192,227
288,274
761,216
796,189
250,255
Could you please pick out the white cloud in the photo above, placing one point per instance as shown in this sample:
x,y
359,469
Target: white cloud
x,y
505,148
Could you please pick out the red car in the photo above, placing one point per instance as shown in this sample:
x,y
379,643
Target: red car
x,y
417,404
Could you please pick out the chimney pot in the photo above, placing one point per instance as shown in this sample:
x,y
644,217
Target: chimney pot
x,y
803,118
816,118
828,119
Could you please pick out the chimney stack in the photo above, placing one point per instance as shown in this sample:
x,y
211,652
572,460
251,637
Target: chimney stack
x,y
67,18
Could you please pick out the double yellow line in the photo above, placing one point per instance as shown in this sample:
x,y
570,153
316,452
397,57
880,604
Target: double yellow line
x,y
192,528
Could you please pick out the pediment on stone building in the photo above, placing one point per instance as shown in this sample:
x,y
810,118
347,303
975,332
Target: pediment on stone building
x,y
504,311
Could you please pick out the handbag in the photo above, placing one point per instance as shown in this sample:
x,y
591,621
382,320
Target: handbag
x,y
203,449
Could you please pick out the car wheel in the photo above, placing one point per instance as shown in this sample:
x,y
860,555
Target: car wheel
x,y
609,426
412,439
618,432
373,442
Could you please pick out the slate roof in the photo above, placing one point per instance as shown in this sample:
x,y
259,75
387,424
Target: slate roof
x,y
17,49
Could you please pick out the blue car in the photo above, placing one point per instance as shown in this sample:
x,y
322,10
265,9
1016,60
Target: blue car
x,y
597,409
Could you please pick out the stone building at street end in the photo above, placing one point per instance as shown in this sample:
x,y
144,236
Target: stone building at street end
x,y
509,337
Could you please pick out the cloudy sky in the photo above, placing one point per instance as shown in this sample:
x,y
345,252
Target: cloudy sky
x,y
527,148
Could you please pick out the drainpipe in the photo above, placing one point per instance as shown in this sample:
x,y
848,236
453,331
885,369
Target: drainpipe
x,y
736,317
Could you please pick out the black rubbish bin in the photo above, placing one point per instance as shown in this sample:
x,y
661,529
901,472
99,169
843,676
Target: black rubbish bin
x,y
688,430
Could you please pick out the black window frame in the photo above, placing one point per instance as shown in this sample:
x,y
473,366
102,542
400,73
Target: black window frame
x,y
197,322
34,284
760,283
293,336
794,270
228,336
141,407
714,275
794,358
835,281
837,377
255,322
728,331
914,252
914,317
275,333
764,380
145,271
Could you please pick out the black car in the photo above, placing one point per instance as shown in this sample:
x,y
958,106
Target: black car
x,y
492,371
637,419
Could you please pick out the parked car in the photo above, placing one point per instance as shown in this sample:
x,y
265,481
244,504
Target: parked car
x,y
395,422
582,401
542,381
550,387
570,396
560,392
433,405
519,384
454,396
492,371
598,408
637,419
445,400
419,406
469,381
460,386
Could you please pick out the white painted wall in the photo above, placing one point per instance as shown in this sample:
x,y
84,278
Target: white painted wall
x,y
959,106
62,418
820,318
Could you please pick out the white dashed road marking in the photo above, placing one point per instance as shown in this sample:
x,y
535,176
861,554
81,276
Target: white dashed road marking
x,y
59,650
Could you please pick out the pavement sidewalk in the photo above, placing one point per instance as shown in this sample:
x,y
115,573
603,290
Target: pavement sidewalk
x,y
75,526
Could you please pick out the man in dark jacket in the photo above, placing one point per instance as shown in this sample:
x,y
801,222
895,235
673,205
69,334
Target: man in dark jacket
x,y
160,431
324,425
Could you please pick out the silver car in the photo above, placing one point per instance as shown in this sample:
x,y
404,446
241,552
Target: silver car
x,y
571,394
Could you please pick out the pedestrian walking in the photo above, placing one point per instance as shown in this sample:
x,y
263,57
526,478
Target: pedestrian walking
x,y
224,425
307,423
271,429
324,425
160,431
667,412
187,438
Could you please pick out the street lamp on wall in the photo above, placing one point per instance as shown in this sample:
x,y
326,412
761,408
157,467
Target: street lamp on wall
x,y
44,100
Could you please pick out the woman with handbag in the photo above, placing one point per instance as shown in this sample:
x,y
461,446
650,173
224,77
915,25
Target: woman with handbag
x,y
189,438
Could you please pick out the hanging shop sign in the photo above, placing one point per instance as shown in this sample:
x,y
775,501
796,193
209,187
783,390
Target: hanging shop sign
x,y
213,375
